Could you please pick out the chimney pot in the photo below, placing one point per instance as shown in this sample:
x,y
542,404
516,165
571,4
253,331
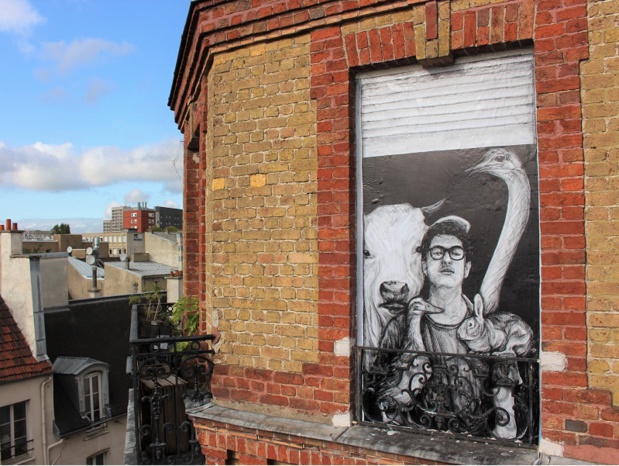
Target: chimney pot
x,y
15,227
8,223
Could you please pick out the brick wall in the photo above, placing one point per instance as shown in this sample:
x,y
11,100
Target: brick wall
x,y
279,187
249,446
600,98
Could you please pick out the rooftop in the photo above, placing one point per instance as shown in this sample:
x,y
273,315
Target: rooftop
x,y
145,269
16,359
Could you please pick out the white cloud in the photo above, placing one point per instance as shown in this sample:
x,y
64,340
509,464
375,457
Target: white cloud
x,y
108,209
170,203
58,168
96,89
82,52
134,196
78,225
18,17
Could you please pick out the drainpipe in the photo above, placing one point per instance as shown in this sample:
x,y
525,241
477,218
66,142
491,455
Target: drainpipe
x,y
43,420
46,448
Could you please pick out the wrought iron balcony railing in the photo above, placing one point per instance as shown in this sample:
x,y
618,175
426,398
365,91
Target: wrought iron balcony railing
x,y
169,372
490,398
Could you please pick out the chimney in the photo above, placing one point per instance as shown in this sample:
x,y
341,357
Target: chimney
x,y
13,241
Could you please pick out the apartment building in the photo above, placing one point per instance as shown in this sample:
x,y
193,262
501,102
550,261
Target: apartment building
x,y
335,153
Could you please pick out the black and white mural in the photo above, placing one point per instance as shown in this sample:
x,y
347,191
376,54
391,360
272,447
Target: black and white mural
x,y
450,256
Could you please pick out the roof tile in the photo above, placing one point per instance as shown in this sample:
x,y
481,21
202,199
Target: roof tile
x,y
16,359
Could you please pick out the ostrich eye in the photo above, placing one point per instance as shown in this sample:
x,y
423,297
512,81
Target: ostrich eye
x,y
366,253
470,324
499,158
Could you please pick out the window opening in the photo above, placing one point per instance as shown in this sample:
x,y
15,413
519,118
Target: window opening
x,y
99,458
448,249
13,431
92,396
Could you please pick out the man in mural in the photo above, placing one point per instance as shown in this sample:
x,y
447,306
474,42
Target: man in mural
x,y
433,322
446,262
446,383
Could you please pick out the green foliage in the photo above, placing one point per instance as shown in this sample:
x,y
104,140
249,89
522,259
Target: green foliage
x,y
136,299
185,314
62,229
171,229
152,299
186,318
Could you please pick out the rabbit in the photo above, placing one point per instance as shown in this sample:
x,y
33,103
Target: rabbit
x,y
500,333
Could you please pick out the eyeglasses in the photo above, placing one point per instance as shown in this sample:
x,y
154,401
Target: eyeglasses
x,y
438,252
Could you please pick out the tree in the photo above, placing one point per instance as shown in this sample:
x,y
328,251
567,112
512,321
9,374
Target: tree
x,y
62,229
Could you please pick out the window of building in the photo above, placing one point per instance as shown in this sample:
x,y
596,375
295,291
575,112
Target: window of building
x,y
93,396
442,153
151,214
13,431
134,214
99,458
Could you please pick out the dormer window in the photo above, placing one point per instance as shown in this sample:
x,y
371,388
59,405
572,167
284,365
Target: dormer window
x,y
85,383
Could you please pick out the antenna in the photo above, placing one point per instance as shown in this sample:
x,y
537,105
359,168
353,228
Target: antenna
x,y
69,250
89,251
90,260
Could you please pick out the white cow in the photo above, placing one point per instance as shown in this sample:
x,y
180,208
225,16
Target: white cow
x,y
392,273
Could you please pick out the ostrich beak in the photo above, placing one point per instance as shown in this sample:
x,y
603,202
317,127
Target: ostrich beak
x,y
479,168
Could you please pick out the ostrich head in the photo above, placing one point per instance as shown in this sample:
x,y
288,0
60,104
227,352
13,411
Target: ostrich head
x,y
497,162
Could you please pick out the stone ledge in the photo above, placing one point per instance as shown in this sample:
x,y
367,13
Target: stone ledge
x,y
280,425
425,447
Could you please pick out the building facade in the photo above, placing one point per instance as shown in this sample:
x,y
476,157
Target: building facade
x,y
328,145
116,222
140,219
169,217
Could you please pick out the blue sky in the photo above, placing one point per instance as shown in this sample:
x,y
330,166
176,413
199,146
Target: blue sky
x,y
84,121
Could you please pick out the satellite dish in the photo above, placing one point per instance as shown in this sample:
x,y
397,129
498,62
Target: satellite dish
x,y
88,251
90,260
123,257
69,249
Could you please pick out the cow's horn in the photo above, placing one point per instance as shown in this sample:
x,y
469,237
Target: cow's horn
x,y
430,209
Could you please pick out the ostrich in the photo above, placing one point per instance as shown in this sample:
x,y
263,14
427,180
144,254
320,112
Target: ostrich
x,y
506,166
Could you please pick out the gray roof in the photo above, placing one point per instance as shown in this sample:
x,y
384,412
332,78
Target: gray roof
x,y
85,269
70,365
145,268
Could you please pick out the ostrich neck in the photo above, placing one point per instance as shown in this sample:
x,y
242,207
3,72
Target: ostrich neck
x,y
518,204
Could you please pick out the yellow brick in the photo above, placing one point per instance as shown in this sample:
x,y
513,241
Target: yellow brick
x,y
258,180
218,183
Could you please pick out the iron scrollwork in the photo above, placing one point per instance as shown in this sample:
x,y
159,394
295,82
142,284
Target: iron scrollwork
x,y
466,395
169,372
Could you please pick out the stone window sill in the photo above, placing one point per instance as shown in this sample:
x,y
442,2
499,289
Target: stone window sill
x,y
426,447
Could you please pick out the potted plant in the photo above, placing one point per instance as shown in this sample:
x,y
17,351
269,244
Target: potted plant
x,y
185,317
153,321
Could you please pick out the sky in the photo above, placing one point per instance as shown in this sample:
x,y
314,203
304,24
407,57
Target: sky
x,y
84,120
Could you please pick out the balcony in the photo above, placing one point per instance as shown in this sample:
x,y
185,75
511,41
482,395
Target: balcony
x,y
493,399
170,372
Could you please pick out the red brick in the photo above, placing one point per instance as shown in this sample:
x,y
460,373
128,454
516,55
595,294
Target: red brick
x,y
431,20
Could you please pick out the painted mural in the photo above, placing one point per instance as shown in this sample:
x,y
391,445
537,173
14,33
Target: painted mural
x,y
451,290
